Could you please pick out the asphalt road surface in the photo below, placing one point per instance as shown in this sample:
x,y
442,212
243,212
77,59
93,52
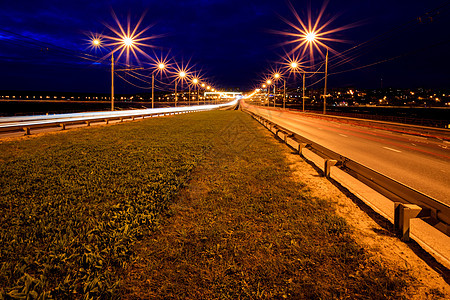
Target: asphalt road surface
x,y
419,162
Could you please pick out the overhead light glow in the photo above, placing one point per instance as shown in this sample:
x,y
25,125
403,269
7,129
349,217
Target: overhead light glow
x,y
128,41
311,36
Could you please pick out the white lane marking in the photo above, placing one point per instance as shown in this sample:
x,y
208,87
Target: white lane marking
x,y
415,136
395,150
343,135
413,144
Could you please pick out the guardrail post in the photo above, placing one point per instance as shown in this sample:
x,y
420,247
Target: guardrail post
x,y
403,213
63,126
27,130
107,121
328,164
300,147
276,132
88,123
286,136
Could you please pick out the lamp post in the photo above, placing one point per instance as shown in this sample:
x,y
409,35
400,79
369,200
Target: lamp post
x,y
161,67
125,42
181,76
195,83
264,87
325,87
277,76
311,38
208,88
112,81
268,82
294,67
204,100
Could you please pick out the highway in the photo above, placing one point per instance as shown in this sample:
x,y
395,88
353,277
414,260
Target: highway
x,y
15,124
418,162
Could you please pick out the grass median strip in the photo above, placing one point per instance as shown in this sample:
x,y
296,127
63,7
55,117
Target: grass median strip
x,y
197,206
245,228
74,203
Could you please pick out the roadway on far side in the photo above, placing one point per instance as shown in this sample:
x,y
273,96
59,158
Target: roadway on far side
x,y
418,162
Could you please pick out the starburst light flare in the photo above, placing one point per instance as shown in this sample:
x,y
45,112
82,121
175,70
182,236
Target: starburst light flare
x,y
127,41
313,34
95,41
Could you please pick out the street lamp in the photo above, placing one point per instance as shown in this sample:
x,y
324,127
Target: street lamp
x,y
161,68
325,86
313,35
277,76
125,42
195,82
180,76
268,82
311,38
294,67
204,98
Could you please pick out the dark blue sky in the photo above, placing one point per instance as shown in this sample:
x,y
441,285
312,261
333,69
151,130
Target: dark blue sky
x,y
229,40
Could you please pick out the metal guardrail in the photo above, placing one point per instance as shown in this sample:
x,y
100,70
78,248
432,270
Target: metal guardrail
x,y
26,124
433,211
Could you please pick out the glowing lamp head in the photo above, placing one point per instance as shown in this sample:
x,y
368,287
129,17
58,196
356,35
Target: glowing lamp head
x,y
264,86
203,85
294,65
310,37
269,82
208,87
182,74
277,75
128,41
161,66
96,42
195,81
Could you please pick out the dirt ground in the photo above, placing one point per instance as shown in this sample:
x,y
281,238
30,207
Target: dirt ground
x,y
378,241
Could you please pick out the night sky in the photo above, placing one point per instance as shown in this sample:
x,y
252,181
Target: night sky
x,y
43,43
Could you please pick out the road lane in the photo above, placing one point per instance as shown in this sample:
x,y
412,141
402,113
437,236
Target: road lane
x,y
418,162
